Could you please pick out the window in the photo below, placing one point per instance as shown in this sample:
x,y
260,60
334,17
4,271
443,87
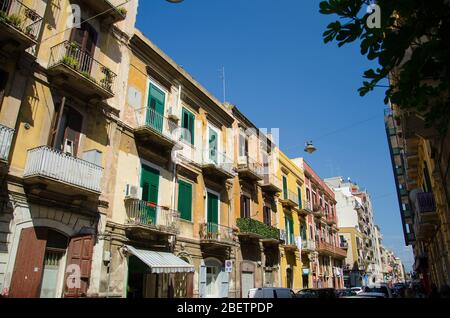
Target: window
x,y
299,193
188,123
3,81
68,135
185,200
267,216
303,233
290,230
243,145
285,189
245,207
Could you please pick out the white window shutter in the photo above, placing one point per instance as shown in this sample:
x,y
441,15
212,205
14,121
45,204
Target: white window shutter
x,y
224,284
202,281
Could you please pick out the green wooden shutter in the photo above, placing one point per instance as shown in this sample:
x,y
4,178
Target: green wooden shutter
x,y
213,212
299,191
155,106
185,200
285,189
289,230
187,122
150,187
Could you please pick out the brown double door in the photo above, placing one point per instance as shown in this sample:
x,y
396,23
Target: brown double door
x,y
40,252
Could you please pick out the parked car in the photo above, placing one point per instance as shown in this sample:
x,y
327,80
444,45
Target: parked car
x,y
317,293
270,292
357,290
379,288
368,295
341,293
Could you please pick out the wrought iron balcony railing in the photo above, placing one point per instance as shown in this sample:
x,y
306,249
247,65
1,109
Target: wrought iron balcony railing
x,y
6,136
55,165
158,123
289,198
73,57
215,233
218,160
21,17
425,202
272,182
152,216
250,167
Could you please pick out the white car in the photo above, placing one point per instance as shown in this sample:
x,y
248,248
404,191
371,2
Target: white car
x,y
357,290
270,292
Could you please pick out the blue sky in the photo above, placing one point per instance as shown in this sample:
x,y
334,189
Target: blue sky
x,y
281,75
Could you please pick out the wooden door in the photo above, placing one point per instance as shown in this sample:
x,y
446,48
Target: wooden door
x,y
28,268
86,38
79,253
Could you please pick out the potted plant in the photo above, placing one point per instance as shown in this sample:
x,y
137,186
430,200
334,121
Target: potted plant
x,y
123,11
15,20
107,81
70,61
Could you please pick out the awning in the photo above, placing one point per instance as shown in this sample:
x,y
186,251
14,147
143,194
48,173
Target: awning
x,y
161,262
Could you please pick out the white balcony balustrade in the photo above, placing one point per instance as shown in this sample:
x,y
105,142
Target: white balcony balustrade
x,y
6,136
52,165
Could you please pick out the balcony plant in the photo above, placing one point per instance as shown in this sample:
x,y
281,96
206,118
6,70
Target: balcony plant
x,y
123,11
70,61
248,225
29,32
88,76
15,20
107,81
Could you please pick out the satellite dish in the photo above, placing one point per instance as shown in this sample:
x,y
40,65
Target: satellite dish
x,y
310,148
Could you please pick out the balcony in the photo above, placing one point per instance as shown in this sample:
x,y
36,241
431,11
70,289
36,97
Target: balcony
x,y
19,26
288,240
330,250
216,235
62,173
6,136
331,219
344,245
217,165
426,217
146,217
254,229
289,199
271,183
249,169
307,207
318,211
155,129
308,246
110,14
76,70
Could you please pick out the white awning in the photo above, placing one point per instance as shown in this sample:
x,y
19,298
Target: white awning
x,y
161,262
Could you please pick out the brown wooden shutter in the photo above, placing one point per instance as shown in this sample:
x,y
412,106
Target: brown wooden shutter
x,y
190,285
80,253
28,268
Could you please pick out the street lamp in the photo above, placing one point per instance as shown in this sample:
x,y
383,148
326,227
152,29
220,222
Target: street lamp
x,y
310,148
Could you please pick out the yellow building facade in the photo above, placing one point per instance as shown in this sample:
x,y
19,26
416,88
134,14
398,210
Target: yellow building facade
x,y
418,157
294,259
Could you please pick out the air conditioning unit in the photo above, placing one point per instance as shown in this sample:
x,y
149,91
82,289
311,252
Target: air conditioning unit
x,y
172,114
133,192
